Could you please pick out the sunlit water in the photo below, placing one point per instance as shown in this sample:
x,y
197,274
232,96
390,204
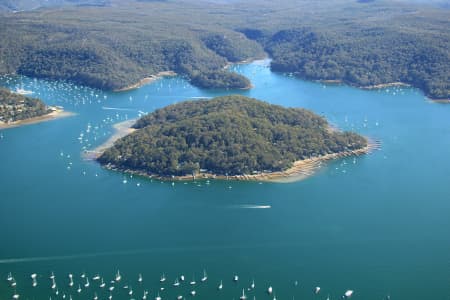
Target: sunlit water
x,y
377,224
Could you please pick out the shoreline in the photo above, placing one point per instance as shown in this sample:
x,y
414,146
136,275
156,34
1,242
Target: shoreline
x,y
300,170
57,113
120,130
145,81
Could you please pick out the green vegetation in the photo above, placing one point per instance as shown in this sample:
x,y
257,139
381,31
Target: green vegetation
x,y
15,107
362,43
367,57
226,135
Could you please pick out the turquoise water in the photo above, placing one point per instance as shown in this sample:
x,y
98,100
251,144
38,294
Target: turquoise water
x,y
378,224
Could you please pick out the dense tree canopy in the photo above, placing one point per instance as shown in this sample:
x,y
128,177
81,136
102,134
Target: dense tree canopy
x,y
119,42
15,107
226,135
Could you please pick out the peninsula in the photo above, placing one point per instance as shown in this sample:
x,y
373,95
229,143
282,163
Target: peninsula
x,y
229,136
17,110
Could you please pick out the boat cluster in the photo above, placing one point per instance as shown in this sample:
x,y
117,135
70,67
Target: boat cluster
x,y
85,282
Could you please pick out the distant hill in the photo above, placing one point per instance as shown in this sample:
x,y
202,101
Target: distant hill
x,y
114,46
24,5
230,135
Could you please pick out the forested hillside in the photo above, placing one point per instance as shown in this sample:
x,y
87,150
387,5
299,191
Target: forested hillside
x,y
15,107
362,43
227,135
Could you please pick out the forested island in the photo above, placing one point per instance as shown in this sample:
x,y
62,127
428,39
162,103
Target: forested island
x,y
115,44
229,135
15,107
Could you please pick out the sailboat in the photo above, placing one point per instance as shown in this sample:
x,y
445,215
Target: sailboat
x,y
205,277
118,277
95,296
163,278
145,295
317,290
52,276
130,292
243,297
193,292
16,296
102,284
53,284
87,282
270,290
348,293
10,277
252,286
176,283
79,289
70,280
235,278
96,277
34,284
158,297
110,296
182,277
193,280
220,286
140,278
180,297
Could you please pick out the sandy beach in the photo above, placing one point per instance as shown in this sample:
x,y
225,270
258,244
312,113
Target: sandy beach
x,y
385,85
57,113
120,130
146,80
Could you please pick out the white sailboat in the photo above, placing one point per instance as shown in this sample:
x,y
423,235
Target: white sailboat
x,y
140,279
220,285
235,278
158,297
102,284
182,277
87,283
193,282
118,276
9,277
243,296
163,278
205,277
348,293
180,297
252,286
52,275
79,289
53,284
269,290
317,290
193,292
96,277
176,283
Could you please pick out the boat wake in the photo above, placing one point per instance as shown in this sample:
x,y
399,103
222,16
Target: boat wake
x,y
249,206
117,108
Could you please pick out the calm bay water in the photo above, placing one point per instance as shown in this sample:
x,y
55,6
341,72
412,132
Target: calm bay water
x,y
378,224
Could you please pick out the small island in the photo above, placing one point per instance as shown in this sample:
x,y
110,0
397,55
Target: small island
x,y
17,110
230,136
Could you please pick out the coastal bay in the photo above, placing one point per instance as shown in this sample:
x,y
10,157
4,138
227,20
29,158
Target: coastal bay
x,y
384,215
